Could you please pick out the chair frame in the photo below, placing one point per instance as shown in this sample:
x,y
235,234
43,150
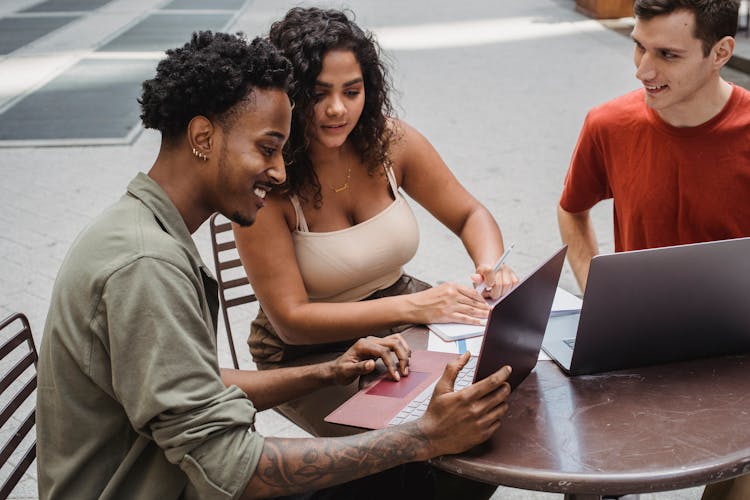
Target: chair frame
x,y
29,360
225,265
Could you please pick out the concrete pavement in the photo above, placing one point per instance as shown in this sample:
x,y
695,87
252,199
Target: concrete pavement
x,y
500,88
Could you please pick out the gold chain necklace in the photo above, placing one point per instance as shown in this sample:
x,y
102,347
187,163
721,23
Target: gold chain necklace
x,y
345,185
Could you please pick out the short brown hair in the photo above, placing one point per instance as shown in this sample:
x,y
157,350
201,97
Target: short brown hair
x,y
714,19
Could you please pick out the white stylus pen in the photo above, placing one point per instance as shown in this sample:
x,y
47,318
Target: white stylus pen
x,y
482,286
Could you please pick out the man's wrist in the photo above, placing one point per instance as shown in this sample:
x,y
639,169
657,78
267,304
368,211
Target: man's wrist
x,y
425,448
326,372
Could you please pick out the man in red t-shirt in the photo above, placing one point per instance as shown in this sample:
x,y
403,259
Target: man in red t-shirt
x,y
674,155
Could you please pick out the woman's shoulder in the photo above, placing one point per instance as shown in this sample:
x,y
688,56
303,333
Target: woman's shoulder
x,y
399,129
404,138
279,205
406,142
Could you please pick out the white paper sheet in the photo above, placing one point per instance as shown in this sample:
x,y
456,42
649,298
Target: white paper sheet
x,y
563,303
473,345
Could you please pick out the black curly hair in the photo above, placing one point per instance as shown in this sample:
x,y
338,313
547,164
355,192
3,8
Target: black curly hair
x,y
208,76
304,36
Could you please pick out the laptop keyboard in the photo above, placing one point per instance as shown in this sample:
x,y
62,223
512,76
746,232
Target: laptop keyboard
x,y
418,405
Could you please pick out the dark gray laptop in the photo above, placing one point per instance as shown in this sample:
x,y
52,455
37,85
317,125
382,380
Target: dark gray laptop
x,y
513,336
657,306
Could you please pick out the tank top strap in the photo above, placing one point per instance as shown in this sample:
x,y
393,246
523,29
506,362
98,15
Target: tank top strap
x,y
301,222
391,180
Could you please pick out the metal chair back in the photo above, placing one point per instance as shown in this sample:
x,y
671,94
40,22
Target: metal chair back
x,y
234,287
18,357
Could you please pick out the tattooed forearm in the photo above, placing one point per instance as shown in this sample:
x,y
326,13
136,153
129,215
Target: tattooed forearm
x,y
294,465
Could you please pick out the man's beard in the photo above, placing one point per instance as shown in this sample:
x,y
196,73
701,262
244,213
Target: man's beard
x,y
235,217
241,220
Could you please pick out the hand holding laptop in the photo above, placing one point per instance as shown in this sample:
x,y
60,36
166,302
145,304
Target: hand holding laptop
x,y
457,420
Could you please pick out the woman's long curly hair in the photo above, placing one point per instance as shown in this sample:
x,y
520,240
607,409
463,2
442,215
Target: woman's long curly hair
x,y
304,36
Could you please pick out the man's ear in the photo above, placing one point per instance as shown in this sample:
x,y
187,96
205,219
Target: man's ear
x,y
200,132
722,51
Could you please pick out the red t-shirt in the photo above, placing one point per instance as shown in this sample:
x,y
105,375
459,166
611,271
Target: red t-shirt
x,y
670,185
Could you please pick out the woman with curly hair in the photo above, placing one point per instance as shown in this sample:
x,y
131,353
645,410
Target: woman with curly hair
x,y
326,257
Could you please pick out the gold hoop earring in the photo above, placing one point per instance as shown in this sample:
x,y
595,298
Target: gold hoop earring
x,y
200,155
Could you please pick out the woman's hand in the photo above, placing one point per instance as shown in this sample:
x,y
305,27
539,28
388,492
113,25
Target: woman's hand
x,y
496,284
448,303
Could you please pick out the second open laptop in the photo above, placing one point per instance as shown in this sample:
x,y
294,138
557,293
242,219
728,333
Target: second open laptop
x,y
513,336
656,306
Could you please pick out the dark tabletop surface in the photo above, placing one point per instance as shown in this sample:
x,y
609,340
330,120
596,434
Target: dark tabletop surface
x,y
645,429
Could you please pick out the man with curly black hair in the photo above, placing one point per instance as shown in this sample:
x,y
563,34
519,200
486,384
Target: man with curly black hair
x,y
131,401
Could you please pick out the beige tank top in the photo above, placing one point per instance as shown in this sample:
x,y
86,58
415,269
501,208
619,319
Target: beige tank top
x,y
349,264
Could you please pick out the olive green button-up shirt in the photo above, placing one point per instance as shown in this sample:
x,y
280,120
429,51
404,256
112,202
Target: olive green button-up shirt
x,y
130,403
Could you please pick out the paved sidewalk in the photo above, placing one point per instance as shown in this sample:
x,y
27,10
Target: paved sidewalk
x,y
500,88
